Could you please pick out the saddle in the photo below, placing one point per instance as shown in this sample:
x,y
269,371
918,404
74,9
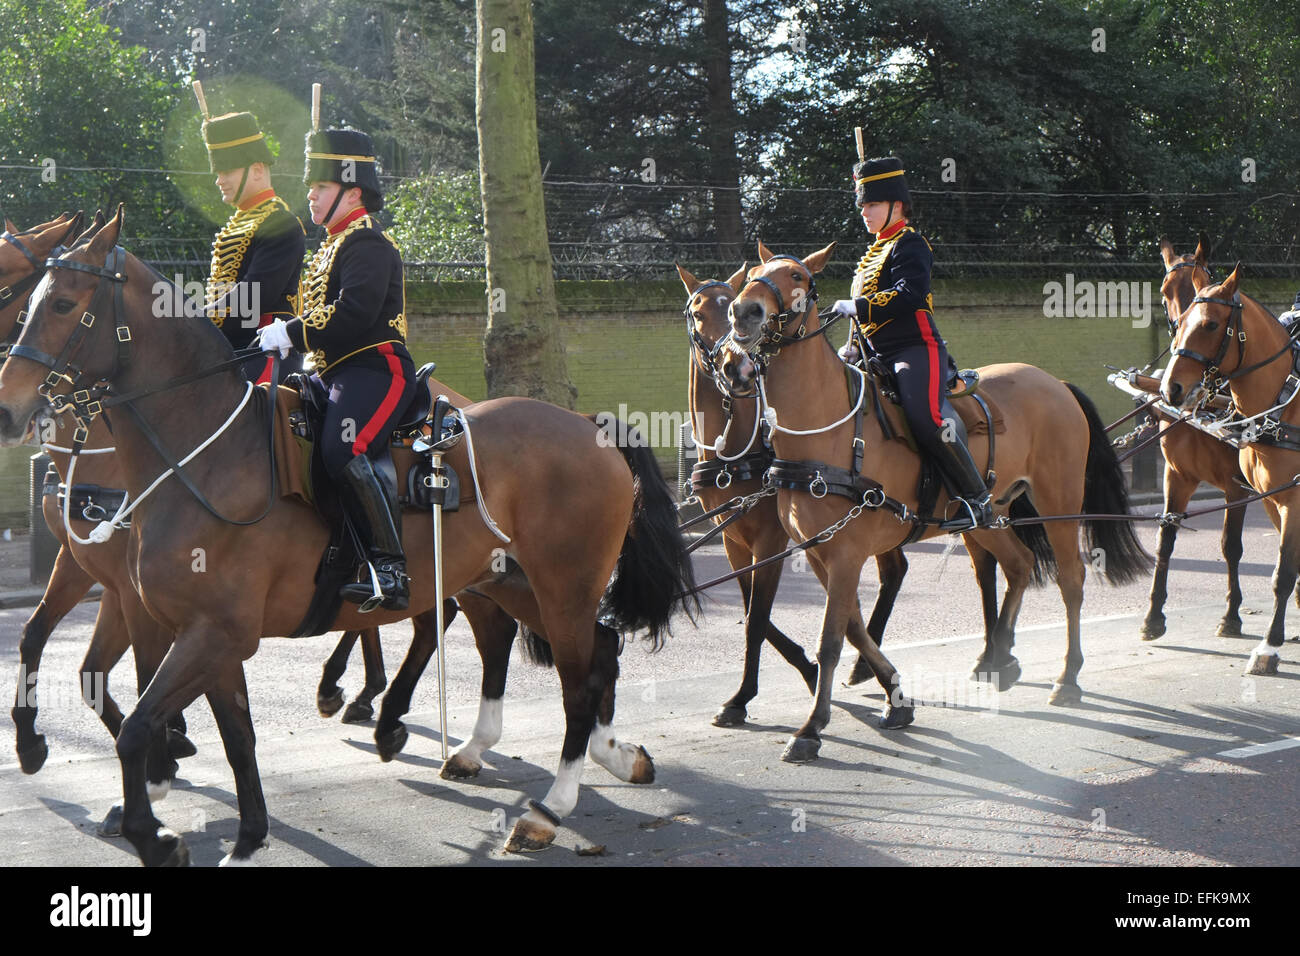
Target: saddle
x,y
301,404
963,394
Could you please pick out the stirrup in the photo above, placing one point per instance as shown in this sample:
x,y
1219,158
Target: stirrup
x,y
972,519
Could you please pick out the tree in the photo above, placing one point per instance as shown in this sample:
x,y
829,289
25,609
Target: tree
x,y
524,354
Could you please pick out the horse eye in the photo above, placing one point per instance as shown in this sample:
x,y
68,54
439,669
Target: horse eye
x,y
1211,325
64,306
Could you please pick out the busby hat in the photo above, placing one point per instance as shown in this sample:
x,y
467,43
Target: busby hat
x,y
880,180
345,156
235,141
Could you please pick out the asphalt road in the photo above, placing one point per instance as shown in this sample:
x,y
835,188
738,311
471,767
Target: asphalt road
x,y
1174,757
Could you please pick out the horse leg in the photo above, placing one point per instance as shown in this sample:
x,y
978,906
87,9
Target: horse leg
x,y
229,703
996,663
840,579
108,643
1233,521
329,695
185,673
390,732
1178,491
372,652
628,762
1064,536
758,590
583,683
494,635
68,584
1017,563
892,568
1265,657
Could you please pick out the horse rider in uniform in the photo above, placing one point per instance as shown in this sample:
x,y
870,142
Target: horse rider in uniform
x,y
257,255
353,331
893,310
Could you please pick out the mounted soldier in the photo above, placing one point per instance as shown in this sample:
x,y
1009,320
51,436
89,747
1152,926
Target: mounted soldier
x,y
893,312
257,255
353,331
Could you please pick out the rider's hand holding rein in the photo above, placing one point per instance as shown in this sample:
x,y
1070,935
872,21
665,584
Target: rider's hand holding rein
x,y
275,335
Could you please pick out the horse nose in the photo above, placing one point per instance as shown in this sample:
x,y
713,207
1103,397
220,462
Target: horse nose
x,y
1173,394
746,315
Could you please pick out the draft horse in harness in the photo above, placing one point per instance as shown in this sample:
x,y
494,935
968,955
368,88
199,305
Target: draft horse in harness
x,y
1225,338
733,459
1054,459
577,514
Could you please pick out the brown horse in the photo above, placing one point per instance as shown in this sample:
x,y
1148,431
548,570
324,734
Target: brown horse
x,y
1224,336
757,535
1054,455
1191,456
581,510
121,621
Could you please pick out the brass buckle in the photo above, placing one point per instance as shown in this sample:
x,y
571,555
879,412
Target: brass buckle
x,y
87,319
123,333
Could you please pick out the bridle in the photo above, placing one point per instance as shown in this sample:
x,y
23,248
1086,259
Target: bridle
x,y
1170,321
774,336
86,403
701,351
22,288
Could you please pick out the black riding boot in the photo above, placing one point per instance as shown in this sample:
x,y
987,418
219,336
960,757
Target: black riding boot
x,y
955,460
372,507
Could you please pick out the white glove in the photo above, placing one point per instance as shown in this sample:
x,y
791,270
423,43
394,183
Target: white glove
x,y
847,307
275,335
1286,318
850,353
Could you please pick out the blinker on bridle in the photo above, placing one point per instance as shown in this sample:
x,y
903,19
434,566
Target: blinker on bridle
x,y
1212,365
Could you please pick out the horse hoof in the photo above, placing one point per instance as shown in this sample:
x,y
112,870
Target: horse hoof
x,y
169,849
391,743
1263,665
897,717
1065,695
1004,677
111,825
32,758
1152,630
329,706
1228,629
358,712
643,768
860,674
527,836
179,746
730,717
801,750
459,768
242,854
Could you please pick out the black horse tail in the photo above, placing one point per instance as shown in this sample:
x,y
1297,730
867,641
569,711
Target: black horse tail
x,y
654,576
1034,537
536,648
1113,545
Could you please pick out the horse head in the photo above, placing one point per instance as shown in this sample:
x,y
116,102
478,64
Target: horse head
x,y
22,264
775,303
707,323
62,344
1206,330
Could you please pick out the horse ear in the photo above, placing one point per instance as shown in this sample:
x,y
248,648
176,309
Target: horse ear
x,y
1230,283
1202,249
817,261
72,226
764,253
688,280
10,227
104,241
1167,254
737,280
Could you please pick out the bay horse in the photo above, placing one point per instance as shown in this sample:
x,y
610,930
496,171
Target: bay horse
x,y
737,471
581,513
1227,337
1191,456
1054,457
121,621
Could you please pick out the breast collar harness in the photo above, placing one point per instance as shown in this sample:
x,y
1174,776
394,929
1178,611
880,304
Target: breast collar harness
x,y
22,287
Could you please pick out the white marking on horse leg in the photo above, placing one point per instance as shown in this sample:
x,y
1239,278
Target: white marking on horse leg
x,y
563,795
158,790
487,731
230,860
619,759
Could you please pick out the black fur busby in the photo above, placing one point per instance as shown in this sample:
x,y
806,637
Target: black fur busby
x,y
880,180
235,141
344,156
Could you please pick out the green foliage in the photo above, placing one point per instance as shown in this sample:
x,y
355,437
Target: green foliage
x,y
437,218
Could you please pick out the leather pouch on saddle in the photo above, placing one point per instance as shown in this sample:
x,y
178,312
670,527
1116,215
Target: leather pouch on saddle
x,y
300,410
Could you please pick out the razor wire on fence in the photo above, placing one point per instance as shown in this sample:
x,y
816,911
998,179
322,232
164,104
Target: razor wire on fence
x,y
635,230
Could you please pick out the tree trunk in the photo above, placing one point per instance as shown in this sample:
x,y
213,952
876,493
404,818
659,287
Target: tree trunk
x,y
720,124
523,350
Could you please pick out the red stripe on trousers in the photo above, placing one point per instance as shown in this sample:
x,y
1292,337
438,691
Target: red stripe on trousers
x,y
932,350
386,407
265,377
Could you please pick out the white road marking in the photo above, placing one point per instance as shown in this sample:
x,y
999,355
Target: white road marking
x,y
1254,750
